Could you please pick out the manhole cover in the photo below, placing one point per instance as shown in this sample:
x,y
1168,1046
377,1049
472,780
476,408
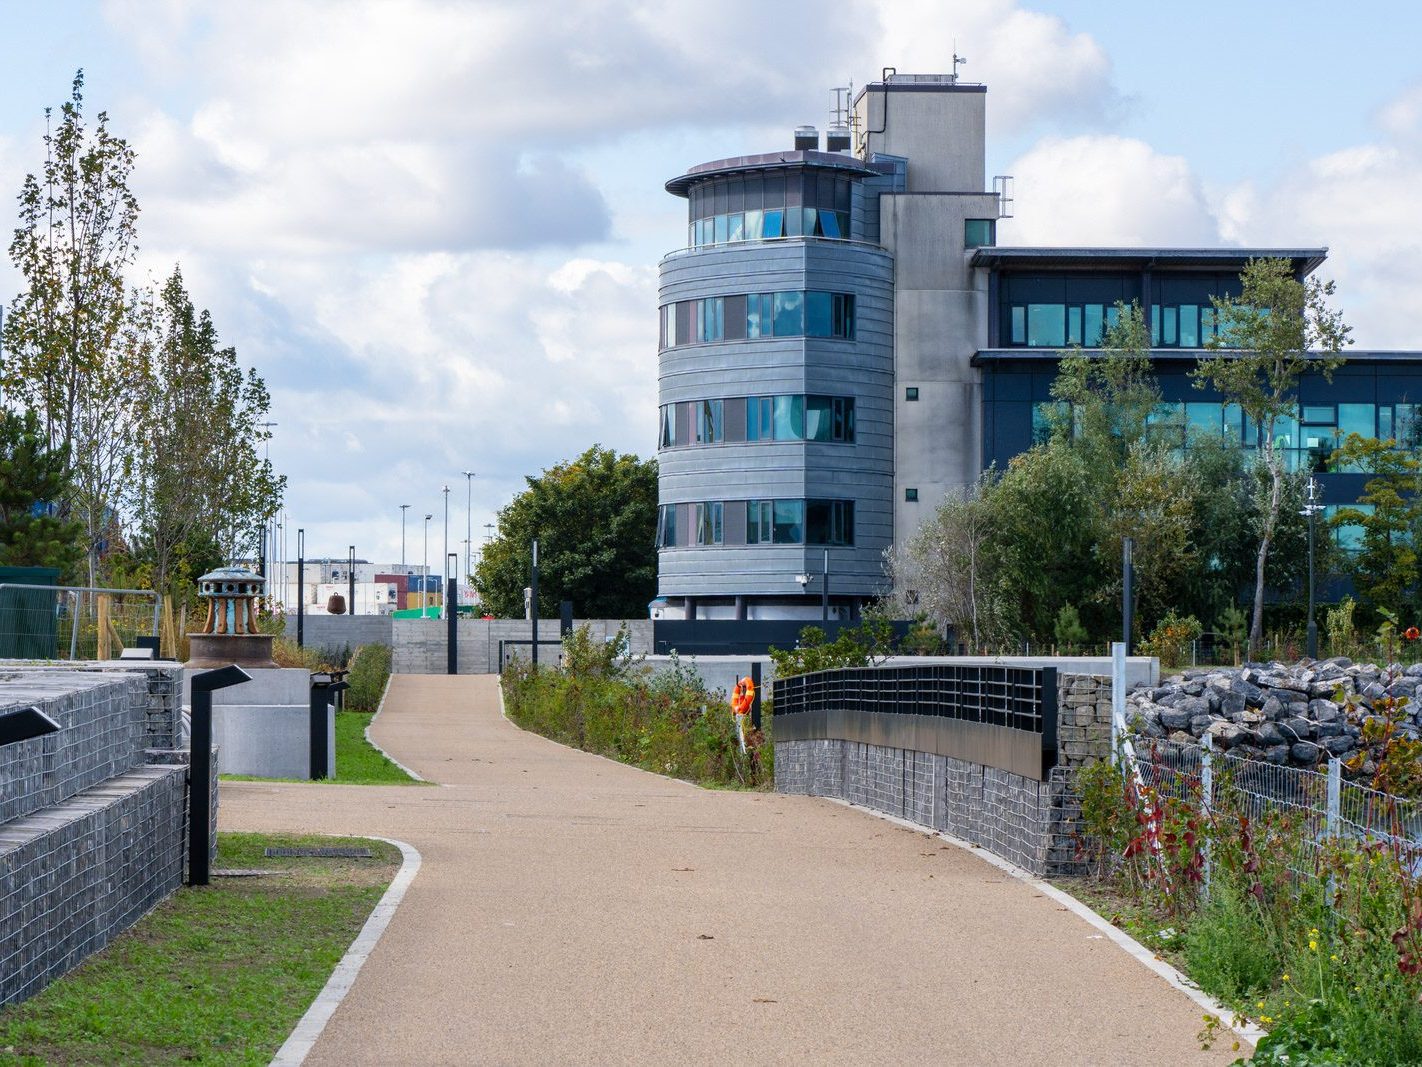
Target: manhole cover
x,y
322,853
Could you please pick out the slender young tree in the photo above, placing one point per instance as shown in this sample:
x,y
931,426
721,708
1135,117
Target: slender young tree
x,y
1278,330
64,336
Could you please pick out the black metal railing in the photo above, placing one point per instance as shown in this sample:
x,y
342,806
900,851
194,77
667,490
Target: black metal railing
x,y
998,715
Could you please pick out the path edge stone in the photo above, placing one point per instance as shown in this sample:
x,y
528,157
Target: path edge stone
x,y
1178,979
372,742
297,1047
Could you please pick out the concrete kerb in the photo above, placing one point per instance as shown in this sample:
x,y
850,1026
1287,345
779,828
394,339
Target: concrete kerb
x,y
297,1047
371,741
1178,979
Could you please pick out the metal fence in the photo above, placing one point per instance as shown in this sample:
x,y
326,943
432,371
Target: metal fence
x,y
1323,805
45,622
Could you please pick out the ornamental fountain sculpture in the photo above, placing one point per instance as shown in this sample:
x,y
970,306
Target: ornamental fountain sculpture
x,y
230,634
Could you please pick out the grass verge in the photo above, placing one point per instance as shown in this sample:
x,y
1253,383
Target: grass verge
x,y
358,762
217,975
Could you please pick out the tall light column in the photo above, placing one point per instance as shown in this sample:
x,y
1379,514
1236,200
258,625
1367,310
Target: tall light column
x,y
403,508
425,571
468,524
444,560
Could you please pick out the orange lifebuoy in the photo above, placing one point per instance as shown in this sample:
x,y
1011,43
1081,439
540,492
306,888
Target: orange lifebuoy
x,y
745,690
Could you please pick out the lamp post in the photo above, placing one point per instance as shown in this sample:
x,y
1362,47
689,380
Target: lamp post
x,y
300,590
425,571
1309,510
468,523
445,558
403,508
350,577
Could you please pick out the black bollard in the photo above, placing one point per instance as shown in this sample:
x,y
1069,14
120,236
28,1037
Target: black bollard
x,y
755,702
200,770
324,689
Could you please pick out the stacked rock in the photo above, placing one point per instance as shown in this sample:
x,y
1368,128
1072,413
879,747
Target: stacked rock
x,y
1295,714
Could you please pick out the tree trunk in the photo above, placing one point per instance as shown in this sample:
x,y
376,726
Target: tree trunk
x,y
1266,539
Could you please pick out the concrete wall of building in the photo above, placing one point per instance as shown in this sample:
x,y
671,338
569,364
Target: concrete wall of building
x,y
92,818
941,129
861,368
421,644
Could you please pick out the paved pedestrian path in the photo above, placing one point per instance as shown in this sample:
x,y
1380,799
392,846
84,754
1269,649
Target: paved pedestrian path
x,y
573,910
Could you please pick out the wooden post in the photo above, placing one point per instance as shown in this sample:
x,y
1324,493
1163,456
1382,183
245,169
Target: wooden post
x,y
105,648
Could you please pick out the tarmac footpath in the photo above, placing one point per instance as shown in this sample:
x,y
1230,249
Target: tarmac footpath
x,y
573,910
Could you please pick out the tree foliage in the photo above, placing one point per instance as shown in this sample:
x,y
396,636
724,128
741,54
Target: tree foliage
x,y
595,519
1385,567
32,477
1268,338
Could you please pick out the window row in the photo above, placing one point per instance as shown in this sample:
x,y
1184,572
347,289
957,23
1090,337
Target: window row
x,y
756,418
769,225
756,522
1307,438
773,191
750,315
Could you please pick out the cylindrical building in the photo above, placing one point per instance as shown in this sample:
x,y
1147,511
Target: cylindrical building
x,y
776,376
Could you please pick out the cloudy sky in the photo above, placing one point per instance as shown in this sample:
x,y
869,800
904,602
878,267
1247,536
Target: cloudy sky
x,y
434,226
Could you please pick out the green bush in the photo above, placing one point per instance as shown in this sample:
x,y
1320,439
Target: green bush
x,y
1229,947
856,646
370,670
603,701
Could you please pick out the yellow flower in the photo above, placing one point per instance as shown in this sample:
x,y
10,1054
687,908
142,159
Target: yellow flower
x,y
1313,946
1260,1004
1266,1019
1286,977
1333,958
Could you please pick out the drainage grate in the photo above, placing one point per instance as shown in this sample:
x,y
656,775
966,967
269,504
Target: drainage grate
x,y
321,853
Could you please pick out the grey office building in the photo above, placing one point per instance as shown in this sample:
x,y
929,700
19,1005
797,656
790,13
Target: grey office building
x,y
842,343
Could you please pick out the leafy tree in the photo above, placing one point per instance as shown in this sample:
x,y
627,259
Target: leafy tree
x,y
1385,569
1069,632
32,477
1268,338
595,519
65,335
865,645
198,480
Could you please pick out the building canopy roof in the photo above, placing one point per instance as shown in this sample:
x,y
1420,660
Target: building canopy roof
x,y
769,161
1305,260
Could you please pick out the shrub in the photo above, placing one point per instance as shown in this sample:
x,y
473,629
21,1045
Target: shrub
x,y
857,646
370,670
1170,640
1229,945
1068,631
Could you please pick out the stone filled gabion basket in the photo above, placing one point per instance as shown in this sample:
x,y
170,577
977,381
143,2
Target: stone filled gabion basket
x,y
1284,714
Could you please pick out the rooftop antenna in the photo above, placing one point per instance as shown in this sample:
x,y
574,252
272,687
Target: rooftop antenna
x,y
958,61
839,112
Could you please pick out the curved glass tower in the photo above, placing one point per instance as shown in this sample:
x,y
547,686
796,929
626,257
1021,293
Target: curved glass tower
x,y
776,390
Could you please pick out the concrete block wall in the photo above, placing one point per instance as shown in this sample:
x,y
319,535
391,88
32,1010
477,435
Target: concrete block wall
x,y
1034,824
420,644
334,633
75,875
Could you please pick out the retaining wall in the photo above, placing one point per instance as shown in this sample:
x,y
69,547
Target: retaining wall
x,y
333,633
92,817
1034,824
420,645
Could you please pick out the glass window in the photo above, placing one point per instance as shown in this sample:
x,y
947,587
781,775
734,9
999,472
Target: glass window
x,y
1207,325
830,224
752,225
1073,326
1091,332
736,227
1168,329
711,319
774,224
911,495
1360,419
709,424
788,522
708,523
1046,325
1189,326
843,315
978,233
829,522
758,524
1019,325
1385,421
666,526
844,419
911,393
817,315
668,430
720,222
789,314
1154,325
1319,414
1203,418
789,418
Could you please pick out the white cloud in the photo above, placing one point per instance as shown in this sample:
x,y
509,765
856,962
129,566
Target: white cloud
x,y
1107,190
1036,69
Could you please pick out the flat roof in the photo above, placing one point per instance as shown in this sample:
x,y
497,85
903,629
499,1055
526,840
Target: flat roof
x,y
1168,355
790,157
1305,260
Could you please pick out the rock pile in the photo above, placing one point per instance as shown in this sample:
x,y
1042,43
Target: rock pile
x,y
1285,714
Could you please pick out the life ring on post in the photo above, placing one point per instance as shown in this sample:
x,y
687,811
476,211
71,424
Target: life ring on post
x,y
746,688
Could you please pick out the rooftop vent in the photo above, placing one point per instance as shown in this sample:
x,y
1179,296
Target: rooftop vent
x,y
837,139
807,139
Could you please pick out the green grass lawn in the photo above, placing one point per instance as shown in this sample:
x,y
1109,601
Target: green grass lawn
x,y
358,762
217,975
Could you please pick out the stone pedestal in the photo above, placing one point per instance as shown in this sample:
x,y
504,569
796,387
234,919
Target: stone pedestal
x,y
219,650
263,727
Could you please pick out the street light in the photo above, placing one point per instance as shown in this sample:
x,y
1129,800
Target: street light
x,y
403,508
468,524
445,557
425,570
1309,510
